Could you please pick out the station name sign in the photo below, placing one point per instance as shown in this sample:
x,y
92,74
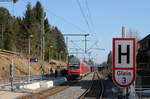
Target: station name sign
x,y
123,61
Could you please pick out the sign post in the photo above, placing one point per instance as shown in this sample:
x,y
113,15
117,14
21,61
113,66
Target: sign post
x,y
12,74
123,61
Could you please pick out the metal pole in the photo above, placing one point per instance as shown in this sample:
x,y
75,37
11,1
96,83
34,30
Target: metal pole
x,y
123,32
85,43
49,54
77,52
11,72
43,35
89,55
67,50
29,56
85,35
125,90
41,42
42,39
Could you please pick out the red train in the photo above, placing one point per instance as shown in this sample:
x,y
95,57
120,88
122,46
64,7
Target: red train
x,y
78,68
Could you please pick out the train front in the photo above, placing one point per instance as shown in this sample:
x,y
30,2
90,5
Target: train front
x,y
74,67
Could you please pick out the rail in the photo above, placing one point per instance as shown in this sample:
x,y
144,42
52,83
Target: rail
x,y
95,89
102,92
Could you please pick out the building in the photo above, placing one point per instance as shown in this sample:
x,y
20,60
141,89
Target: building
x,y
145,44
143,61
143,56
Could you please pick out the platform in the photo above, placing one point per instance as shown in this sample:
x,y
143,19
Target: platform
x,y
30,87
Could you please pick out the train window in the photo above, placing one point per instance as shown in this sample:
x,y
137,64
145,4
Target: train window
x,y
74,66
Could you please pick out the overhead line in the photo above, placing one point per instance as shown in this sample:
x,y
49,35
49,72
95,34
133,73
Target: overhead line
x,y
95,43
90,17
66,21
76,45
82,12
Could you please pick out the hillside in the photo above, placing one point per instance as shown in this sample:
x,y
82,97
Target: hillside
x,y
22,65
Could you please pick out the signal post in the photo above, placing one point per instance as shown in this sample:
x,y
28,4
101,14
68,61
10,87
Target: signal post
x,y
124,62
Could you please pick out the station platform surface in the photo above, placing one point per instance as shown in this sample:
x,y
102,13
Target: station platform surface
x,y
8,94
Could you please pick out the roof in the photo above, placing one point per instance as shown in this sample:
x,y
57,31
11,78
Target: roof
x,y
145,38
74,60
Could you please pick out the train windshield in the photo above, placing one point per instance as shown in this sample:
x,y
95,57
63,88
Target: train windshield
x,y
74,66
74,63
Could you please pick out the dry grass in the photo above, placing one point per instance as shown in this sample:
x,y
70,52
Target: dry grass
x,y
22,65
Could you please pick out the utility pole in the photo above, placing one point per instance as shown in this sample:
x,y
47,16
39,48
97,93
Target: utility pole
x,y
29,57
89,53
123,32
85,43
125,90
29,77
67,55
41,41
76,51
42,37
49,55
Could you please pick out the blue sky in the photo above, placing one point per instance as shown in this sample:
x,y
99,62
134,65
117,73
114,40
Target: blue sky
x,y
107,17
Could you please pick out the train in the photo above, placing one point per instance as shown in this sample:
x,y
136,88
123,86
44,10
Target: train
x,y
78,68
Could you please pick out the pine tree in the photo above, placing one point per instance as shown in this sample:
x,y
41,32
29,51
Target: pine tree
x,y
17,30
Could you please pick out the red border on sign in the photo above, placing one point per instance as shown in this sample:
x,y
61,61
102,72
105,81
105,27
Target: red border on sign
x,y
116,68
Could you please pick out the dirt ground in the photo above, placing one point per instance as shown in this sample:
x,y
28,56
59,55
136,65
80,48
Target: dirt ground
x,y
22,65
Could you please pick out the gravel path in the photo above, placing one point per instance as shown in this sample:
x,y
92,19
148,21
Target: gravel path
x,y
74,91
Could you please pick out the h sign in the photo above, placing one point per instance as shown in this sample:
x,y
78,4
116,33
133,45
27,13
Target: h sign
x,y
123,59
123,53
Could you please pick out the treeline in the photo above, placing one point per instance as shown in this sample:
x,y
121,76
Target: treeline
x,y
15,33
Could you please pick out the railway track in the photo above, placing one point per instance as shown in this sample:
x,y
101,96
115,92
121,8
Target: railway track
x,y
95,90
44,94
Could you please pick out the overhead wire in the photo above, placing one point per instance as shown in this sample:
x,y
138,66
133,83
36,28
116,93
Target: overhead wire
x,y
93,29
91,22
75,26
76,45
95,43
89,14
83,14
66,21
93,33
63,19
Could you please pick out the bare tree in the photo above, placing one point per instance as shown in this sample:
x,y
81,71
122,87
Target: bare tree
x,y
130,33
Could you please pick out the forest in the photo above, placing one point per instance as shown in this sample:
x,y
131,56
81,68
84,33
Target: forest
x,y
16,31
